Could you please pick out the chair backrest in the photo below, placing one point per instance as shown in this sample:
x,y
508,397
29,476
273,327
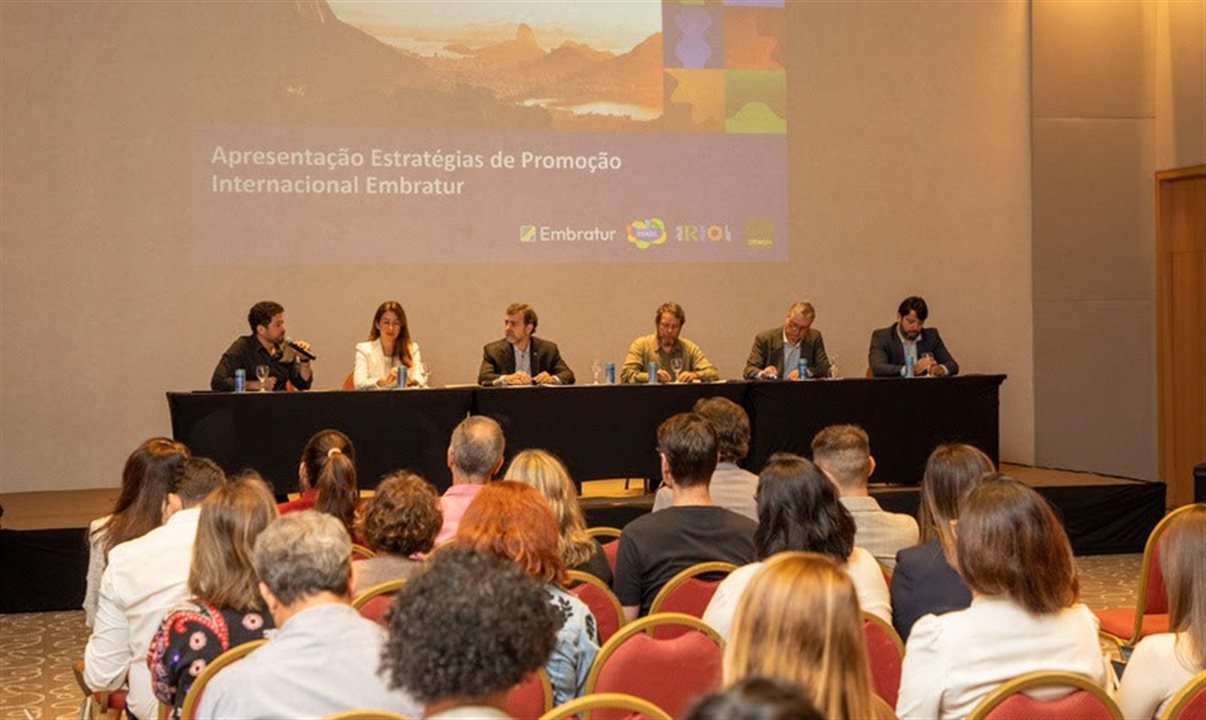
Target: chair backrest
x,y
885,651
626,706
360,552
374,602
670,673
1152,598
610,547
365,714
1086,701
349,382
532,697
689,592
1189,702
603,603
188,711
604,531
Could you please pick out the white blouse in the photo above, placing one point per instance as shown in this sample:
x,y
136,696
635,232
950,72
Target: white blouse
x,y
1154,674
861,567
372,365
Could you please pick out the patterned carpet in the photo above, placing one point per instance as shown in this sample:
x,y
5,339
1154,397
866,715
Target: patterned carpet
x,y
37,649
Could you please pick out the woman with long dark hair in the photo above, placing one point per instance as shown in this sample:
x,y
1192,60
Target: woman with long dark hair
x,y
327,475
387,350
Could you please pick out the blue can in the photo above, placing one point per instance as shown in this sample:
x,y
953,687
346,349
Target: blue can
x,y
652,368
401,377
610,370
240,380
802,368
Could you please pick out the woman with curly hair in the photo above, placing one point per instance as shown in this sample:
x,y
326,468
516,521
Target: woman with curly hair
x,y
799,621
799,510
511,520
145,481
399,522
226,608
543,471
465,632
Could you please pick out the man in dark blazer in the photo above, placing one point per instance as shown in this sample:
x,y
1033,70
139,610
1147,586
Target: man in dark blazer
x,y
796,339
908,348
521,358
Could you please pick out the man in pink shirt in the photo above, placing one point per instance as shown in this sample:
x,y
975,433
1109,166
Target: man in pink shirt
x,y
475,455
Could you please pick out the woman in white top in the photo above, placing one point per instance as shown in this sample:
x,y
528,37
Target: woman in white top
x,y
388,348
1163,663
799,510
1015,556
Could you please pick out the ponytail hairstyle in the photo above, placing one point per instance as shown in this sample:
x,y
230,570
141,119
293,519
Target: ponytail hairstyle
x,y
329,466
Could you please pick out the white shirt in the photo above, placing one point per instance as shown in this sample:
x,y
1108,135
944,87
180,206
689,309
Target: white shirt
x,y
860,567
146,576
880,532
1155,673
96,567
953,660
372,365
322,660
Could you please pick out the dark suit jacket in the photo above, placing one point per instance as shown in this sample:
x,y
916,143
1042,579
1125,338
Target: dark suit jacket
x,y
923,582
886,356
768,350
499,359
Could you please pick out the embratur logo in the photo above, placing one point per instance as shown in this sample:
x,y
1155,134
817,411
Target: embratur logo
x,y
527,233
644,233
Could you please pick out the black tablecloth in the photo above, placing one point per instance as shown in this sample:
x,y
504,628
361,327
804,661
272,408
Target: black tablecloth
x,y
601,431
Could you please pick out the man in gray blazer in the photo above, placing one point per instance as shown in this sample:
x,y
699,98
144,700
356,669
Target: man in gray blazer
x,y
777,352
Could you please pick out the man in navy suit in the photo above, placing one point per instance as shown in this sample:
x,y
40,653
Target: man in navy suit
x,y
520,358
908,348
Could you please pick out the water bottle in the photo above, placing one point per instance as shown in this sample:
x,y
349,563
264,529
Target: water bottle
x,y
401,377
240,380
802,369
610,373
652,368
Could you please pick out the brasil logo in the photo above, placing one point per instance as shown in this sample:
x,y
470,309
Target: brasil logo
x,y
644,233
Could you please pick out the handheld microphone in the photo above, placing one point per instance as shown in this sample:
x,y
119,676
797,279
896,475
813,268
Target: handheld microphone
x,y
300,350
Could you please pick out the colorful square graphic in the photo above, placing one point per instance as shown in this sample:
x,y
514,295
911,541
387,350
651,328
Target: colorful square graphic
x,y
755,101
694,100
693,35
753,38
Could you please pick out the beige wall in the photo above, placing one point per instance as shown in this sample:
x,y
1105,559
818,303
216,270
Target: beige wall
x,y
910,173
1118,93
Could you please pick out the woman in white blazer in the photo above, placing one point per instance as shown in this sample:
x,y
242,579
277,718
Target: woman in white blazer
x,y
388,348
1014,555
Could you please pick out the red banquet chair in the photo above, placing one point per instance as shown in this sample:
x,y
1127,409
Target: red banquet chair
x,y
671,673
1150,614
631,708
1189,702
885,652
689,593
532,697
374,602
610,547
1086,701
188,711
603,603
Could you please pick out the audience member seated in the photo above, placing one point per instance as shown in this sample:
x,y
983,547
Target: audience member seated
x,y
475,455
655,547
799,510
732,488
844,453
324,657
225,609
465,632
757,698
925,580
145,482
543,471
512,521
399,523
146,576
1163,663
1014,555
799,621
327,474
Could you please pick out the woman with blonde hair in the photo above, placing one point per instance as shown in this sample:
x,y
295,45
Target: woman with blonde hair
x,y
925,580
225,609
799,621
1164,662
543,471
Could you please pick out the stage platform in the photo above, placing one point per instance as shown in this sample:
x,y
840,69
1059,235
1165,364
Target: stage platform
x,y
44,552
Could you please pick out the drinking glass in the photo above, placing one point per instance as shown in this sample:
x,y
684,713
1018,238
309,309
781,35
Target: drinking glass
x,y
426,374
676,364
261,374
596,367
834,373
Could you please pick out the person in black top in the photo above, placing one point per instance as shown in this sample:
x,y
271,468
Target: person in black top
x,y
655,547
264,346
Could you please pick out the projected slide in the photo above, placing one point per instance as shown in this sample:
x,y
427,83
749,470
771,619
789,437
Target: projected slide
x,y
495,132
